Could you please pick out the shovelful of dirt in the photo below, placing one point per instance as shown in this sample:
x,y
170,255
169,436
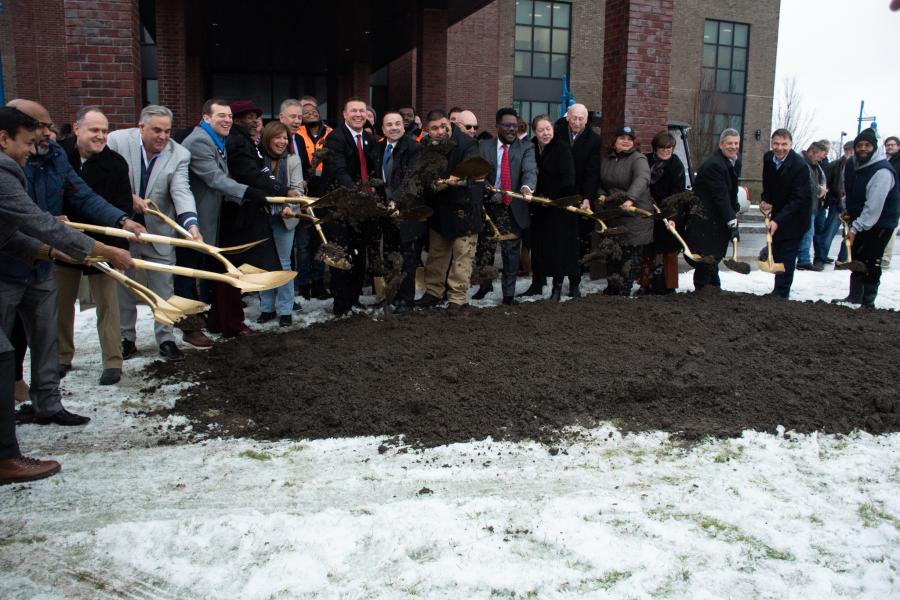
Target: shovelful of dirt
x,y
690,364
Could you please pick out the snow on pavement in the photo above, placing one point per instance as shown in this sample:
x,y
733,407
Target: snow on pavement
x,y
601,516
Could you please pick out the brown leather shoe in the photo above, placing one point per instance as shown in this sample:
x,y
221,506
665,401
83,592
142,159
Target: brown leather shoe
x,y
197,339
22,391
18,470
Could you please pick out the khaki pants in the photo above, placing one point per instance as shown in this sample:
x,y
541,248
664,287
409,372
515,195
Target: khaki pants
x,y
103,290
458,255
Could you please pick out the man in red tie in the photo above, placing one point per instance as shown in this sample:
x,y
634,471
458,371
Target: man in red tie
x,y
515,169
349,160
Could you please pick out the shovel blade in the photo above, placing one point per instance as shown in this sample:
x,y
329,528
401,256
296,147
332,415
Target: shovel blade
x,y
186,305
473,168
770,267
853,265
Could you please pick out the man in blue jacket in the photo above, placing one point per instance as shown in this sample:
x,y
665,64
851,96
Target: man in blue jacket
x,y
30,289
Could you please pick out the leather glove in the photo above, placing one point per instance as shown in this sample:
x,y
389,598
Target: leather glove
x,y
256,196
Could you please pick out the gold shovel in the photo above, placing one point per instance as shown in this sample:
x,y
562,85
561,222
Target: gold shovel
x,y
733,263
503,237
850,265
248,283
153,209
167,312
769,265
332,255
253,275
587,214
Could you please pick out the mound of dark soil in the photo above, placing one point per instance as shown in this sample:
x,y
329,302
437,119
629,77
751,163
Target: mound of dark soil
x,y
694,364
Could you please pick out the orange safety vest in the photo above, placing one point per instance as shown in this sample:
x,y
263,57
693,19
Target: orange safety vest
x,y
311,146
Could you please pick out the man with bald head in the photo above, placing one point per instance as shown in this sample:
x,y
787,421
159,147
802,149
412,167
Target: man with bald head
x,y
467,123
56,188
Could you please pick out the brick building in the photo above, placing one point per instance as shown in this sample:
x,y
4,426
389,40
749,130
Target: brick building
x,y
710,63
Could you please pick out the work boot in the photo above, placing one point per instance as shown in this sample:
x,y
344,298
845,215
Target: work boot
x,y
64,418
265,317
169,351
129,349
856,292
509,300
197,339
427,301
536,288
869,293
19,470
110,376
574,287
483,290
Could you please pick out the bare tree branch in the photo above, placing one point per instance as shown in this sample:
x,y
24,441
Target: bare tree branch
x,y
792,113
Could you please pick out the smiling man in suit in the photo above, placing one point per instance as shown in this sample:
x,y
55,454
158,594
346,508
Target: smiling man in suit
x,y
587,150
158,170
514,169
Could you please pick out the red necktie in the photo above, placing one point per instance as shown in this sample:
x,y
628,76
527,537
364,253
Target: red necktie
x,y
363,167
505,179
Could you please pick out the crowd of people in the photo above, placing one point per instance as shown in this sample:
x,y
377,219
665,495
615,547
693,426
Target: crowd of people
x,y
216,181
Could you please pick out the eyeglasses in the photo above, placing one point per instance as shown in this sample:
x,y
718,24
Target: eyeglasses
x,y
509,125
471,127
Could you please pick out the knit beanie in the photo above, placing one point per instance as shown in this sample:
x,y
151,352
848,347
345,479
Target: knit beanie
x,y
867,135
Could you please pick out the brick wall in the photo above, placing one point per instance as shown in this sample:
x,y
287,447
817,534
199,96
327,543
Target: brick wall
x,y
431,59
636,66
6,51
170,61
402,80
473,71
586,52
91,56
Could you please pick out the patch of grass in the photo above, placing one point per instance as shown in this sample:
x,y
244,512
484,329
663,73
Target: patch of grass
x,y
255,455
729,453
33,539
873,515
422,554
135,405
611,578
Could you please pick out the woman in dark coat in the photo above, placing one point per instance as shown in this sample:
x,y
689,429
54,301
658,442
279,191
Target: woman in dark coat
x,y
554,232
659,270
625,171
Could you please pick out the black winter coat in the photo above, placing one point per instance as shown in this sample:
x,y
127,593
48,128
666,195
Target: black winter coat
x,y
248,221
670,182
587,151
341,160
789,192
457,209
716,185
403,159
554,232
107,174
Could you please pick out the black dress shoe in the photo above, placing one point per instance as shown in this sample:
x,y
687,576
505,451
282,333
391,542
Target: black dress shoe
x,y
533,290
427,301
265,317
285,321
305,291
170,352
805,267
402,308
62,417
110,376
556,293
483,290
129,349
64,369
297,307
574,290
828,261
509,300
319,292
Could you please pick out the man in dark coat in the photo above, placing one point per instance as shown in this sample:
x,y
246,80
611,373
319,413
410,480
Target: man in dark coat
x,y
892,150
397,154
787,194
873,207
514,166
587,150
710,232
349,161
454,226
106,172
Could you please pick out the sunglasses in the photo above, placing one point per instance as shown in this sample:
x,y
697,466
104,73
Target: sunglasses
x,y
471,127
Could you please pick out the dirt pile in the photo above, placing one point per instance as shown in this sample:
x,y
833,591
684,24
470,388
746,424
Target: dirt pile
x,y
694,364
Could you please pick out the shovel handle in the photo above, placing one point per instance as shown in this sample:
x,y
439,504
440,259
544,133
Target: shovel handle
x,y
680,239
145,237
291,200
153,209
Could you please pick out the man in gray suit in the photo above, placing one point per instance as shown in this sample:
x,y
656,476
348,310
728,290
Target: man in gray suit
x,y
515,169
158,169
210,185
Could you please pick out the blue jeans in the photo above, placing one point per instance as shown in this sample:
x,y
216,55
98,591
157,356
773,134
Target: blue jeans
x,y
307,243
826,226
785,251
281,299
803,256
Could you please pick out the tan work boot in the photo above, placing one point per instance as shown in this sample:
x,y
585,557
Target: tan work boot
x,y
19,470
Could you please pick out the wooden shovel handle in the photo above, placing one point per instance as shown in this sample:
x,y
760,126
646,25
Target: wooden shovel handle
x,y
680,239
153,209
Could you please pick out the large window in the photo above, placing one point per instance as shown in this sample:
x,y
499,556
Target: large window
x,y
724,81
529,110
542,39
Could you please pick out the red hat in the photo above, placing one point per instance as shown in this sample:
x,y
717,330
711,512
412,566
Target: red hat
x,y
240,107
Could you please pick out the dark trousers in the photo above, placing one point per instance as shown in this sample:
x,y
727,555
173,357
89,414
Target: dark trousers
x,y
826,226
621,274
187,287
20,342
9,446
704,273
306,245
226,316
355,238
412,258
868,248
510,250
785,251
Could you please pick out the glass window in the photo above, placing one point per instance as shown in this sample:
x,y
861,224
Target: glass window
x,y
737,81
739,59
709,53
740,35
542,13
523,64
724,59
542,32
560,15
558,65
540,65
723,80
711,32
709,79
523,11
523,38
726,31
541,39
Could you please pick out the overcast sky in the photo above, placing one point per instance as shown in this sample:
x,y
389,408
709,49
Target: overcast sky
x,y
842,52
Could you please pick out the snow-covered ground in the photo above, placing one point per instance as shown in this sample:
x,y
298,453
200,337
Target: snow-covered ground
x,y
604,516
